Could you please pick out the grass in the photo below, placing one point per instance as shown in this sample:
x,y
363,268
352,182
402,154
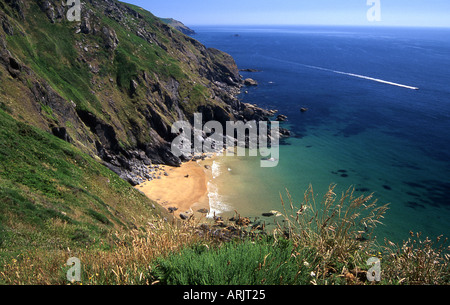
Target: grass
x,y
44,43
57,55
418,261
260,262
327,241
124,258
57,202
163,253
53,196
339,229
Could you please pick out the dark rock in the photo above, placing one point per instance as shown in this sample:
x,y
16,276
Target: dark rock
x,y
105,132
249,70
269,214
133,87
7,27
178,25
185,216
284,132
226,65
144,133
250,82
61,132
110,38
85,26
116,169
17,5
281,118
172,209
133,181
48,9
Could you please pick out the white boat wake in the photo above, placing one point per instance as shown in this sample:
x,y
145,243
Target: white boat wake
x,y
346,73
363,77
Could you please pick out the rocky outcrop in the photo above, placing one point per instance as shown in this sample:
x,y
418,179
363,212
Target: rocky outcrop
x,y
53,12
226,67
178,25
250,82
114,88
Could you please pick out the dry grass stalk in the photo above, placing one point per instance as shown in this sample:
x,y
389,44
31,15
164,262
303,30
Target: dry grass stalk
x,y
337,229
418,261
127,263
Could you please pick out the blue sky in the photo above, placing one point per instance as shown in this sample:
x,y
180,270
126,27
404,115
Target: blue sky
x,y
316,12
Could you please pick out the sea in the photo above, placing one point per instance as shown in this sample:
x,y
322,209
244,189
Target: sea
x,y
378,120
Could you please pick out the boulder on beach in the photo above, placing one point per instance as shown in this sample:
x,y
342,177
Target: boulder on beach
x,y
172,209
186,215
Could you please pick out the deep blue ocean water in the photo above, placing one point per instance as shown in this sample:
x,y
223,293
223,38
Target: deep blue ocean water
x,y
377,137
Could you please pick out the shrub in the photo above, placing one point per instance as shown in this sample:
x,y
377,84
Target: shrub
x,y
265,261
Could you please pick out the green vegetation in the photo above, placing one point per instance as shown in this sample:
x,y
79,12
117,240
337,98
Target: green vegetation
x,y
56,201
53,207
126,70
326,242
94,68
47,42
264,261
53,196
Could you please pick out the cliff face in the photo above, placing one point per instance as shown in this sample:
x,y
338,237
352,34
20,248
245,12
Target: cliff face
x,y
178,25
113,83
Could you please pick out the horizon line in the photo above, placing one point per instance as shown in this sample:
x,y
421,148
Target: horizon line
x,y
325,25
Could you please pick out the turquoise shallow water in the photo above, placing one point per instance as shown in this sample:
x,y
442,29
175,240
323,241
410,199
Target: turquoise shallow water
x,y
376,137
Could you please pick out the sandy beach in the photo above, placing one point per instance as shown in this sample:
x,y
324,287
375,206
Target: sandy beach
x,y
184,188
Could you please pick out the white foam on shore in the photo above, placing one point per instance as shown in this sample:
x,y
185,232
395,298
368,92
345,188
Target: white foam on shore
x,y
215,169
216,204
216,201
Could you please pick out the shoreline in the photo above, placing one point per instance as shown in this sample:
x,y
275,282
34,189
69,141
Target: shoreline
x,y
183,191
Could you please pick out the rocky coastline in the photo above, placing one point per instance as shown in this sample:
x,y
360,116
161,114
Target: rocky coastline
x,y
124,108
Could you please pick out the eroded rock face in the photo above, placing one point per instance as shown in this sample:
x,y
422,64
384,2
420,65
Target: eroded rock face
x,y
225,67
110,38
178,25
126,124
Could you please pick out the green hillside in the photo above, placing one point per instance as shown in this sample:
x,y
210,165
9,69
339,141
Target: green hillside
x,y
84,106
53,196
